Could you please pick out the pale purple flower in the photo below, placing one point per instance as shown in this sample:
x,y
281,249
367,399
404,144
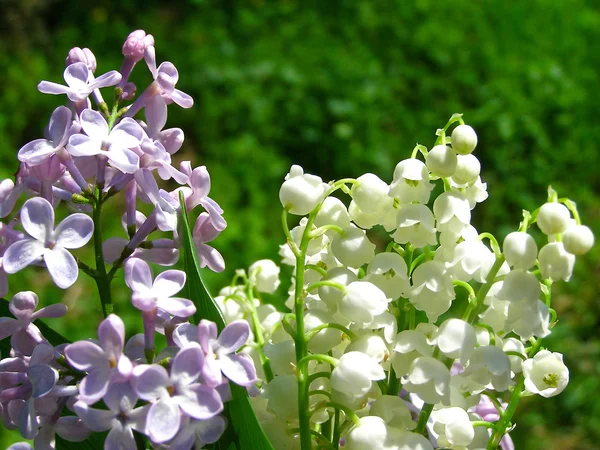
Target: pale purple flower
x,y
114,144
9,194
166,205
198,432
49,243
166,77
197,194
80,83
133,50
105,363
24,334
205,231
36,152
175,392
151,294
121,418
220,353
156,119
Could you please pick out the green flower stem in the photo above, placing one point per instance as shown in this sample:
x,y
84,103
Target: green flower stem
x,y
323,229
335,440
312,333
465,286
320,392
322,358
503,424
424,417
318,284
101,276
493,242
490,331
393,383
348,411
325,444
483,423
317,375
470,314
286,230
258,331
317,268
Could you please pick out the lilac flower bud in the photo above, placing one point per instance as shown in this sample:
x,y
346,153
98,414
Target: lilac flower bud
x,y
84,55
136,44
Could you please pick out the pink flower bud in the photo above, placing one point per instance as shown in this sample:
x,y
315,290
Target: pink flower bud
x,y
85,55
136,44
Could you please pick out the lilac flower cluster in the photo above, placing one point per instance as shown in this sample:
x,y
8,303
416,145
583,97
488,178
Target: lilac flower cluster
x,y
91,152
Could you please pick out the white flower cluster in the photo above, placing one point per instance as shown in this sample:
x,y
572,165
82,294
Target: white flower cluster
x,y
395,344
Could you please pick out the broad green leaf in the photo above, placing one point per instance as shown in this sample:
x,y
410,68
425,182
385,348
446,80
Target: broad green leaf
x,y
245,432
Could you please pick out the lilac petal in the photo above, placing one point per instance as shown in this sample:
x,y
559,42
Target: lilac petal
x,y
168,283
120,437
120,398
112,248
42,354
137,418
111,333
105,80
80,145
204,231
23,304
143,301
207,331
124,369
93,387
239,369
28,421
172,139
62,267
21,254
150,381
45,439
43,378
123,159
48,87
210,256
37,218
150,58
233,336
187,365
215,212
156,114
36,152
72,429
128,133
94,125
20,446
75,231
205,404
138,275
160,256
59,125
179,307
182,99
163,421
95,419
76,75
86,356
211,430
51,311
185,334
211,372
8,327
167,68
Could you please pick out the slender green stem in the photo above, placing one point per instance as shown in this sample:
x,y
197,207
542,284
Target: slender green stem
x,y
314,376
333,284
393,384
335,440
470,314
503,424
312,333
348,411
423,417
101,277
258,331
322,358
317,268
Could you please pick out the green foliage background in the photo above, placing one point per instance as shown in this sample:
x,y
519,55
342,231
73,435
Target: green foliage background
x,y
343,88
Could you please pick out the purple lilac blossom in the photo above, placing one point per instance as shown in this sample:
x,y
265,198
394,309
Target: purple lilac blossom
x,y
205,231
49,243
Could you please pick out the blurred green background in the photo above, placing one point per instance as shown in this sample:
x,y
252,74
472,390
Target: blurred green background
x,y
343,88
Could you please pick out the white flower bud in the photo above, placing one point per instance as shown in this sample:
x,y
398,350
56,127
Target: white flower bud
x,y
546,374
553,218
393,410
330,295
355,373
388,271
300,193
555,262
520,250
441,161
456,339
362,301
370,193
353,247
333,212
578,239
467,170
464,139
266,274
429,378
411,182
528,318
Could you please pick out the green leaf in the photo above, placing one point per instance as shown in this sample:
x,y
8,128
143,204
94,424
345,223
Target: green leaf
x,y
245,432
96,440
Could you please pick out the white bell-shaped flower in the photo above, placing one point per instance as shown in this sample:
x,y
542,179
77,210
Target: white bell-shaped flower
x,y
464,139
409,345
281,394
333,212
514,345
441,161
429,378
520,250
475,192
386,324
353,247
415,225
300,193
371,345
362,301
393,410
371,433
432,289
355,374
497,309
385,216
489,365
370,193
388,271
546,374
453,427
578,239
528,318
467,170
331,295
281,356
413,441
555,262
411,182
553,218
456,339
519,285
325,339
452,212
279,432
266,275
471,260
